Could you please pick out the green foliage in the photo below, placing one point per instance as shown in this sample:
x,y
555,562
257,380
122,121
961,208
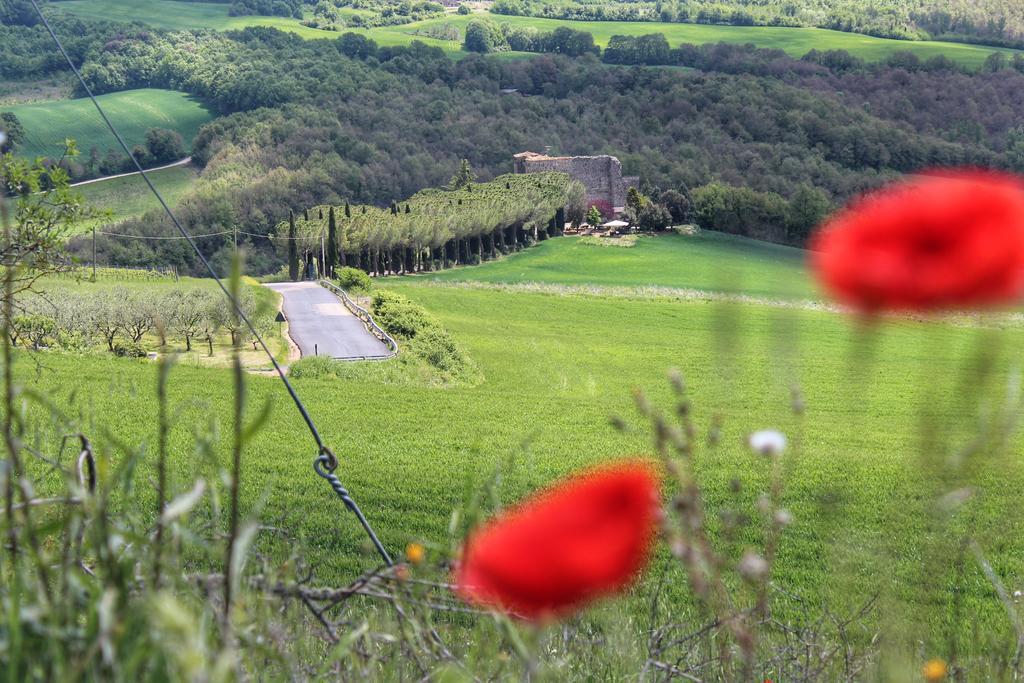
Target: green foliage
x,y
594,216
40,215
483,35
987,21
269,8
741,211
650,49
312,367
353,280
332,244
464,9
420,334
164,145
398,315
12,130
293,249
808,208
463,178
129,349
438,216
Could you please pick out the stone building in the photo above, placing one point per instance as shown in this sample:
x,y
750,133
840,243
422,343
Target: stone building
x,y
600,175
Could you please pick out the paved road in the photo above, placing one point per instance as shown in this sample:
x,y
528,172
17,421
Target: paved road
x,y
186,160
320,324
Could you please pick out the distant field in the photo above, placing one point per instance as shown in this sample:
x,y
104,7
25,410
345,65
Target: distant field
x,y
132,111
706,261
795,41
130,197
173,14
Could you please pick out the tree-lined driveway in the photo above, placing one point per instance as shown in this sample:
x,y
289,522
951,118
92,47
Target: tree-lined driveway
x,y
321,325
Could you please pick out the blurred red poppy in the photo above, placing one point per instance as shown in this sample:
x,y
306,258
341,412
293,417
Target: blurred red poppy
x,y
945,241
584,538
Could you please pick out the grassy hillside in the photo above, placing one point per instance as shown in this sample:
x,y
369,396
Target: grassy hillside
x,y
130,197
556,368
706,261
172,14
796,41
132,111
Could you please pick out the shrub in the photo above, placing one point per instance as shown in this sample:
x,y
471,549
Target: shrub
x,y
437,347
312,367
400,316
129,349
421,335
353,280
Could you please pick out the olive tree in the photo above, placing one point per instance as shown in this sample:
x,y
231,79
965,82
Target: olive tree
x,y
191,315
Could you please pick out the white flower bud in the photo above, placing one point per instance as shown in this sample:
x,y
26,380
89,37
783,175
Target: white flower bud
x,y
753,567
768,442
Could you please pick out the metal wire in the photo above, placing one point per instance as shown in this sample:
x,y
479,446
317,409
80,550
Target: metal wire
x,y
159,237
331,463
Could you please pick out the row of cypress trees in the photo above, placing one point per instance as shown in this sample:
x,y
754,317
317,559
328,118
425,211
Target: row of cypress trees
x,y
434,229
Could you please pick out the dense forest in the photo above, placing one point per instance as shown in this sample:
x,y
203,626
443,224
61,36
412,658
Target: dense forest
x,y
993,22
349,121
308,123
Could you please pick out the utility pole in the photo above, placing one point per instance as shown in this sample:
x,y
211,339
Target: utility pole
x,y
234,234
94,253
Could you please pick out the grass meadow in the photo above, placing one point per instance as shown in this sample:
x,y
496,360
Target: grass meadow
x,y
708,261
172,14
48,124
795,41
868,459
130,197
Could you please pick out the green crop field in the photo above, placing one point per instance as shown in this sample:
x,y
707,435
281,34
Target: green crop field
x,y
172,14
860,481
134,112
129,197
795,41
705,261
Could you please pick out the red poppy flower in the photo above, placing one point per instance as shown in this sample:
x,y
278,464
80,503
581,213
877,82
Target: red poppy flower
x,y
584,538
934,242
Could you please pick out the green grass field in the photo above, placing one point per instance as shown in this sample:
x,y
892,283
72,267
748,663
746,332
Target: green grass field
x,y
706,261
129,197
172,14
133,111
862,475
796,41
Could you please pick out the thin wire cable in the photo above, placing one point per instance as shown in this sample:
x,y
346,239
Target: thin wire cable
x,y
324,452
158,237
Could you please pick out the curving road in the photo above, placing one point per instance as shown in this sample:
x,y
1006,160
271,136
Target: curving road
x,y
183,162
321,325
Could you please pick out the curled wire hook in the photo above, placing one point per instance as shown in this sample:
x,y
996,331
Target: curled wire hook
x,y
324,466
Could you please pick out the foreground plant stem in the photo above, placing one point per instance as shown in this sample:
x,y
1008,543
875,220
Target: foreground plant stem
x,y
236,450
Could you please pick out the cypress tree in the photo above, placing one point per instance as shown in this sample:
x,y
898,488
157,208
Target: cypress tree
x,y
348,211
305,214
407,210
332,243
293,249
